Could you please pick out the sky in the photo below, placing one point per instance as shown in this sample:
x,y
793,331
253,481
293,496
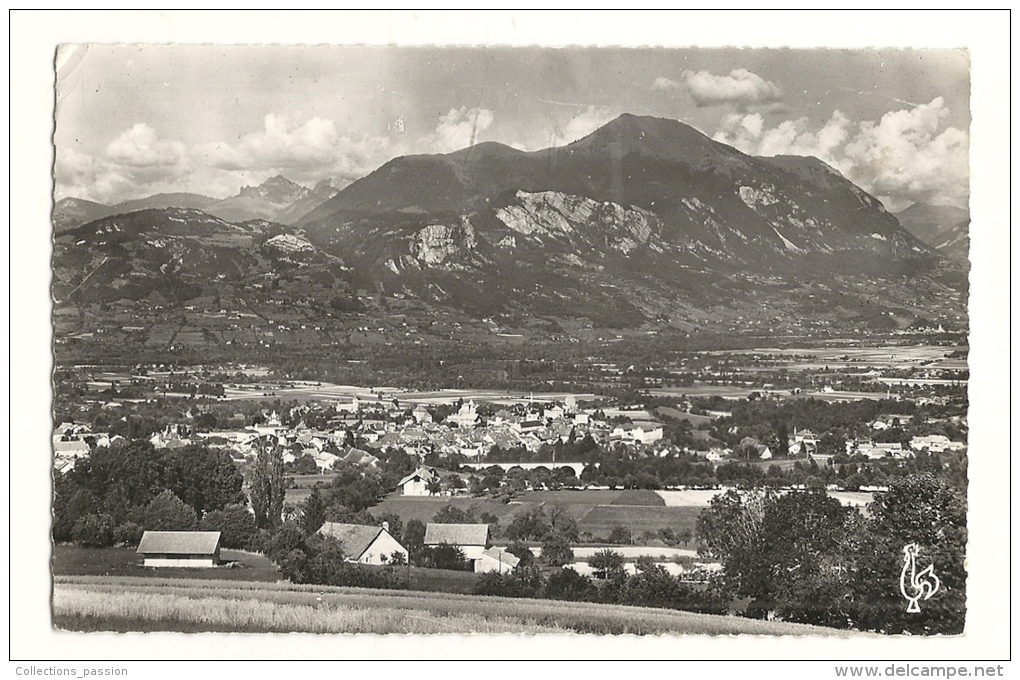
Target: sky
x,y
137,120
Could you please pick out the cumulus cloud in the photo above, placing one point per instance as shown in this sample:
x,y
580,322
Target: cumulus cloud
x,y
904,157
667,85
139,146
138,162
560,132
457,129
749,134
581,125
741,87
302,152
137,158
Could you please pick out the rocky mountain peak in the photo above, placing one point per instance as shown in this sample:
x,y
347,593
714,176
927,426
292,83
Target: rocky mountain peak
x,y
278,189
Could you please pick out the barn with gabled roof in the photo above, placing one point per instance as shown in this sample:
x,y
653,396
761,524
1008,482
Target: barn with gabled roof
x,y
180,548
472,539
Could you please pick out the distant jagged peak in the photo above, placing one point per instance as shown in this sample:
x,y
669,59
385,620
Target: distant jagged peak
x,y
276,189
330,185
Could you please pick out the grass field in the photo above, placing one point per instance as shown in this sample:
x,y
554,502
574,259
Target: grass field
x,y
639,518
296,495
568,496
131,604
638,497
72,560
597,511
424,508
303,484
308,481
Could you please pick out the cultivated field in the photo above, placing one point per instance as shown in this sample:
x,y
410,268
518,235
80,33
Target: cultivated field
x,y
305,391
126,604
72,560
424,508
597,511
639,518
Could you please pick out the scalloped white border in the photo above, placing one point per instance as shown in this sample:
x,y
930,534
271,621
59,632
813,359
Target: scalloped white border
x,y
33,38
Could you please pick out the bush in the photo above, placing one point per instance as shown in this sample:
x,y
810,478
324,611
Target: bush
x,y
260,541
93,531
128,534
556,551
654,587
619,536
444,557
235,524
521,582
606,563
567,584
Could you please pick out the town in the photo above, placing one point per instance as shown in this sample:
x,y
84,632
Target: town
x,y
488,491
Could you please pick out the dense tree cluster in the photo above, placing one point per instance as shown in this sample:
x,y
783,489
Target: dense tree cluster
x,y
651,586
771,422
313,558
804,557
125,486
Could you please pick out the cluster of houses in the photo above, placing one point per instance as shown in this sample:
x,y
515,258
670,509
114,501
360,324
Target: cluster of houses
x,y
74,441
804,444
469,434
361,544
376,426
464,432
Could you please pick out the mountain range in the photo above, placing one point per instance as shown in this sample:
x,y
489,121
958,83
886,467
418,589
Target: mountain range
x,y
943,227
277,199
644,221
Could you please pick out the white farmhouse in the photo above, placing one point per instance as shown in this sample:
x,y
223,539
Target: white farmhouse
x,y
364,544
497,559
417,483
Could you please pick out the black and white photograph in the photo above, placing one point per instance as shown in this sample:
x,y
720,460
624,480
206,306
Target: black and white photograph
x,y
511,340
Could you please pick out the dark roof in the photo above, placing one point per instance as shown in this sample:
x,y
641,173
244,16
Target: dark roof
x,y
457,534
354,538
424,473
180,542
360,457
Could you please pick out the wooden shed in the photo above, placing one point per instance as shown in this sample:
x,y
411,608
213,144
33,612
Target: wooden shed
x,y
180,548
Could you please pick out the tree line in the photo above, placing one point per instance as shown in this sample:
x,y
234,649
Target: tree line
x,y
805,557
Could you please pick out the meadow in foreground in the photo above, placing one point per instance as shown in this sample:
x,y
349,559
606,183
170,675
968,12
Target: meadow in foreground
x,y
127,604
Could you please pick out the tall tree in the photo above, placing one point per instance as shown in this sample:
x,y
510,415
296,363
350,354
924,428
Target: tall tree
x,y
556,551
204,478
809,540
730,530
313,512
606,563
235,524
930,513
266,485
167,512
414,537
